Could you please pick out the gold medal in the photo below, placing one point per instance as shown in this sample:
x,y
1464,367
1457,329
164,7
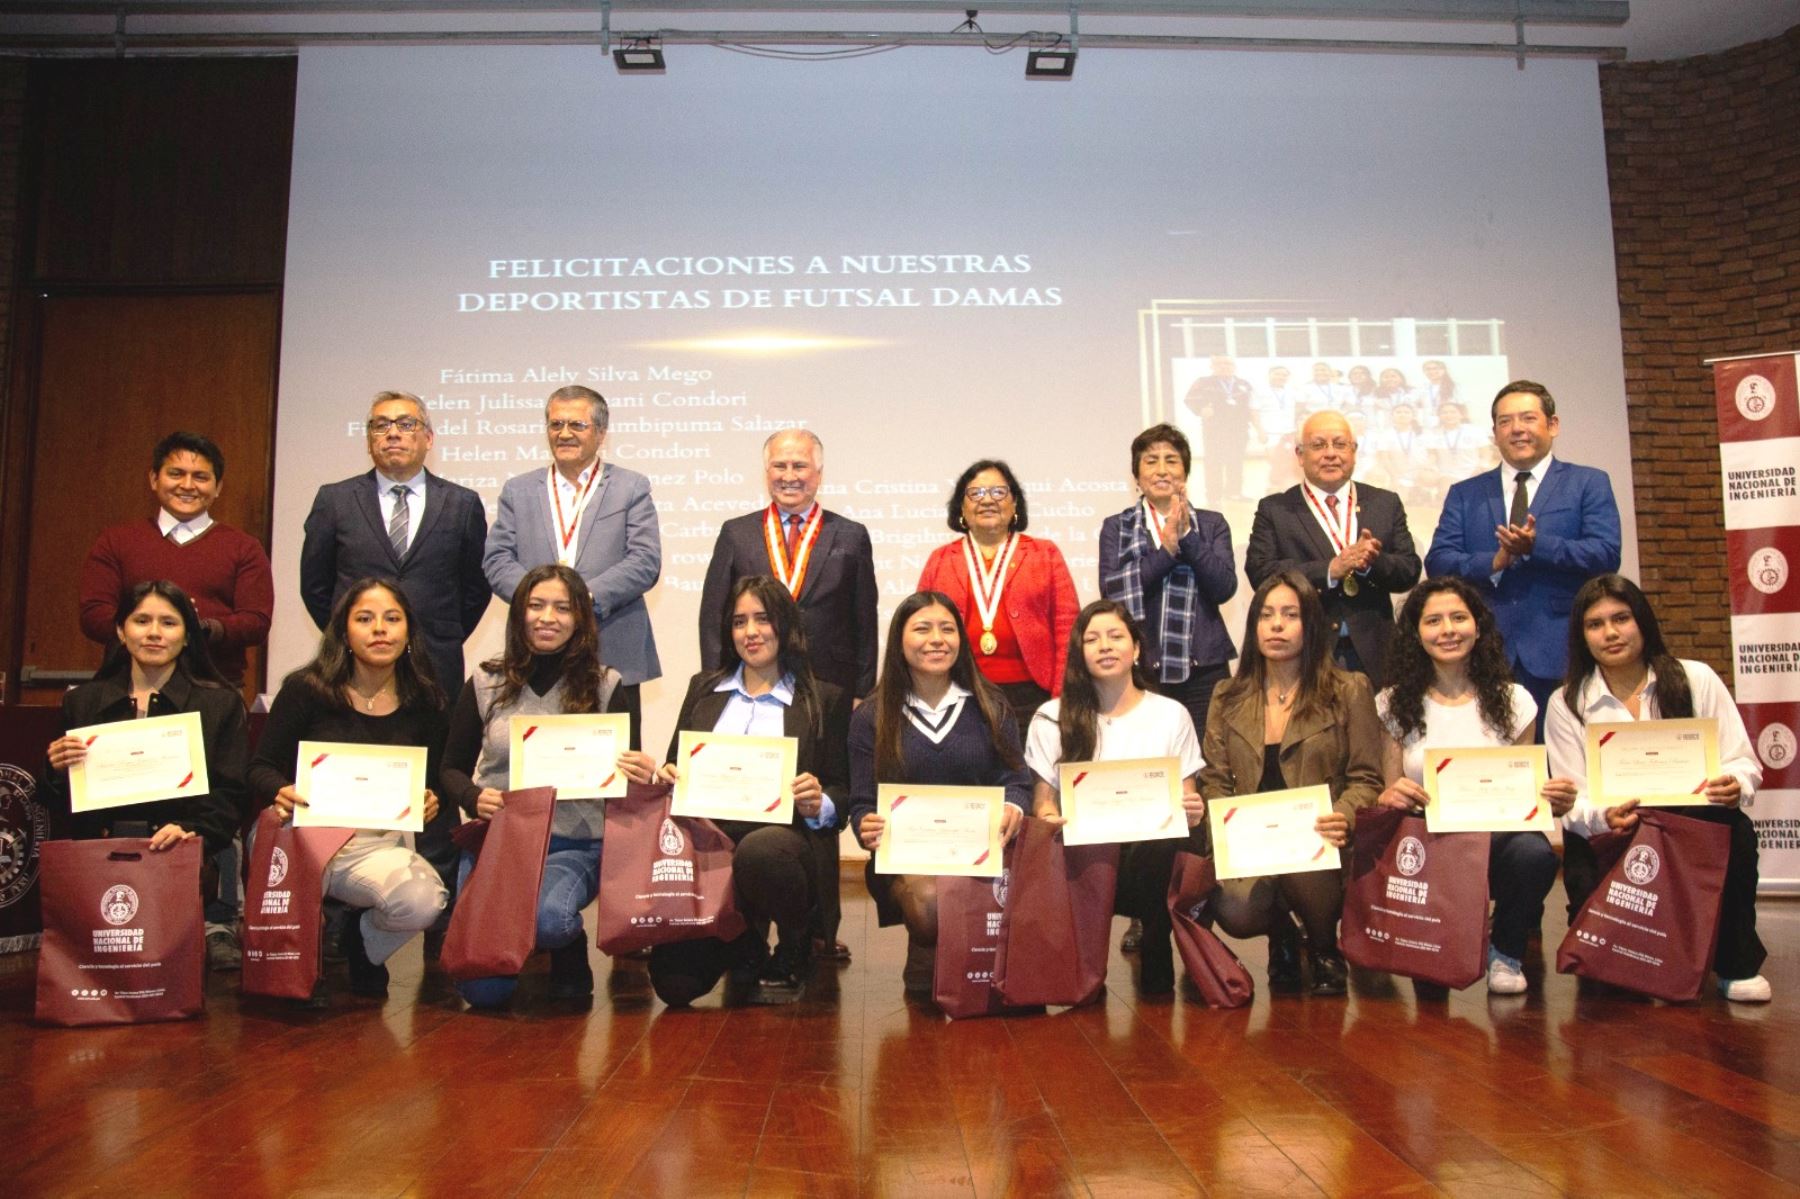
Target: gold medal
x,y
1351,586
988,581
989,642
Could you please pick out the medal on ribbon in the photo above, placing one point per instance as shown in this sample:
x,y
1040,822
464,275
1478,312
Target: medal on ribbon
x,y
791,575
1340,540
565,533
988,581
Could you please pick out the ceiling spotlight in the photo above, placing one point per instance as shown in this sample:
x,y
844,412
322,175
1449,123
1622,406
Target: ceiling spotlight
x,y
1050,64
640,54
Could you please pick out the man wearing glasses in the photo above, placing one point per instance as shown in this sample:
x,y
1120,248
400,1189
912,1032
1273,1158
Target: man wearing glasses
x,y
399,521
1349,539
592,516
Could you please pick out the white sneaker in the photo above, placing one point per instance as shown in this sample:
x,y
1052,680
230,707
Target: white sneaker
x,y
1504,976
1745,990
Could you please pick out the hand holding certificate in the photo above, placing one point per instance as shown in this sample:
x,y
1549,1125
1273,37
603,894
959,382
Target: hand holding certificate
x,y
578,755
1487,789
1127,800
361,786
940,830
728,776
1659,763
1271,833
138,761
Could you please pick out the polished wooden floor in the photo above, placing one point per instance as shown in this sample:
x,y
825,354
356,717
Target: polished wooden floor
x,y
855,1091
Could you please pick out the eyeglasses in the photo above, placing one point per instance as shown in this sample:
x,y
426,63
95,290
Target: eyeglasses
x,y
577,427
406,424
1319,445
987,493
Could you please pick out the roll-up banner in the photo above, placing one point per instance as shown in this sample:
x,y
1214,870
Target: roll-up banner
x,y
1759,451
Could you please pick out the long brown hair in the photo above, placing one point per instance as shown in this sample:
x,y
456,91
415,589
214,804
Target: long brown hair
x,y
329,672
1319,675
790,638
1674,697
581,656
1078,714
194,660
896,684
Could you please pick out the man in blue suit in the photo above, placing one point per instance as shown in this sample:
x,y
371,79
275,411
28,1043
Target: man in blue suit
x,y
1529,534
590,515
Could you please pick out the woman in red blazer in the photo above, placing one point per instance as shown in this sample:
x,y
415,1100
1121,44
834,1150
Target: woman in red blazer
x,y
1015,593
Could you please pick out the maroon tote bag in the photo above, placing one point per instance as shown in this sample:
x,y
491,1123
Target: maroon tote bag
x,y
1416,902
494,927
124,932
970,911
1214,970
663,878
282,900
1652,923
1055,935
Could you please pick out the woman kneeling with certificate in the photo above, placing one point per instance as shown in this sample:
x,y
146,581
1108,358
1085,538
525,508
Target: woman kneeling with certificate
x,y
365,687
1106,714
1289,719
1452,691
1621,671
550,668
159,669
766,691
935,722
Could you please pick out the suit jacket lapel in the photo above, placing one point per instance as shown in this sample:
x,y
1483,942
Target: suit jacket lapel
x,y
1302,726
590,519
1496,497
371,508
1302,510
436,496
1553,481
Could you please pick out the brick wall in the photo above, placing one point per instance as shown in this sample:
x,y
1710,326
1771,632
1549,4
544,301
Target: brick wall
x,y
1704,159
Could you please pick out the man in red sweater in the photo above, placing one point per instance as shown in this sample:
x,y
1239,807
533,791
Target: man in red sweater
x,y
224,571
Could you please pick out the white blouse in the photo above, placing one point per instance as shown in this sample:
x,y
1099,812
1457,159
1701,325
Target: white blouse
x,y
1454,726
1158,727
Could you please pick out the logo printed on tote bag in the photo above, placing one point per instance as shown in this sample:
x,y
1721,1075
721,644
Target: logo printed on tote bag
x,y
278,866
1409,858
1642,865
671,842
119,904
670,868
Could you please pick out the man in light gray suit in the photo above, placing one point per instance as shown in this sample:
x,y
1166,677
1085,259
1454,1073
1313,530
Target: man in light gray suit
x,y
590,515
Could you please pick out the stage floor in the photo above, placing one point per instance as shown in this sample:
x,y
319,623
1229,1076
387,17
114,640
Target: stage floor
x,y
856,1091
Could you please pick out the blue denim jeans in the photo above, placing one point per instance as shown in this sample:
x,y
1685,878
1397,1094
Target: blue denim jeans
x,y
571,880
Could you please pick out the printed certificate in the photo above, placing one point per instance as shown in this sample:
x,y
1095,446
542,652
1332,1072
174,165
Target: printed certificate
x,y
578,755
1137,799
139,761
940,830
1487,789
361,786
728,776
1659,763
1271,833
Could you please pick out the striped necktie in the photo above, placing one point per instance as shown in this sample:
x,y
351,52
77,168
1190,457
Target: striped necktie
x,y
397,524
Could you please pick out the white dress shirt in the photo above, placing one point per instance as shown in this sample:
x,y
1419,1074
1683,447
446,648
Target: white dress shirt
x,y
765,715
182,531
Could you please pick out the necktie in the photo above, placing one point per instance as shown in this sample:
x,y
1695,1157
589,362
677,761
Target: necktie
x,y
1331,503
793,535
1521,501
397,524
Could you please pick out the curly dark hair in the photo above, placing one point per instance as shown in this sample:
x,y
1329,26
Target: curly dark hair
x,y
1674,697
1410,670
581,671
1078,715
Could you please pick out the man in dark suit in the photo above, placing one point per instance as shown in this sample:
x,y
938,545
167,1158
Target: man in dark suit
x,y
400,521
1528,534
827,562
1349,539
1223,402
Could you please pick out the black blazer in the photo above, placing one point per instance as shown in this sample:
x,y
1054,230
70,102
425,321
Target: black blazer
x,y
214,816
837,598
346,540
823,753
1286,536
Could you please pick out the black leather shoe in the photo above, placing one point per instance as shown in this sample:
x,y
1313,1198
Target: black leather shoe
x,y
1133,939
571,976
1284,956
366,978
782,978
1329,975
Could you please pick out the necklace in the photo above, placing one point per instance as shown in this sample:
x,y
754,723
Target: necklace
x,y
368,700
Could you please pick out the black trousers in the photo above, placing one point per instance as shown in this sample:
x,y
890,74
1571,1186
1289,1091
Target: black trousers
x,y
772,872
1195,692
1740,953
828,911
1521,871
1026,698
